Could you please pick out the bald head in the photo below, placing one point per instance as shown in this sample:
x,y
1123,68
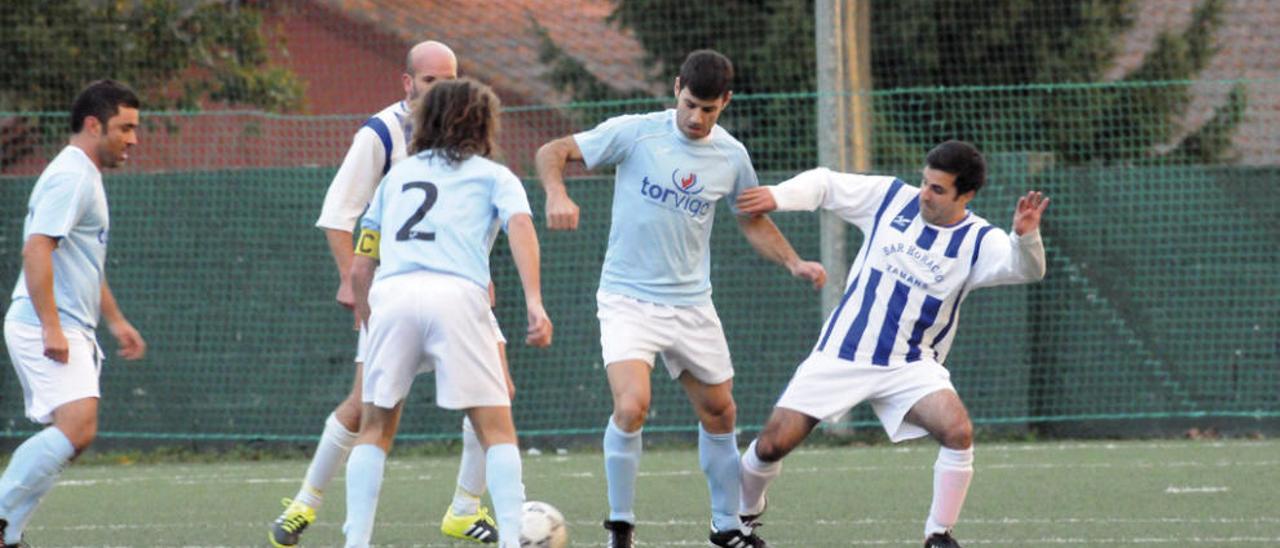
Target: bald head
x,y
427,63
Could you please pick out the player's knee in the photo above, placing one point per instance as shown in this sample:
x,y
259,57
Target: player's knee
x,y
348,413
81,434
721,410
769,448
958,436
630,413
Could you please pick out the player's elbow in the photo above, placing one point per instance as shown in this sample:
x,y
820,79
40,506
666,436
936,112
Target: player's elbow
x,y
552,153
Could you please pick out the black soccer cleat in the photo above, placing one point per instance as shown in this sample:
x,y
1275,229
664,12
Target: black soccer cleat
x,y
621,534
735,538
753,520
941,540
4,524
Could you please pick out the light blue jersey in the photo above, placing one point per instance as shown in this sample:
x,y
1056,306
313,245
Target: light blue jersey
x,y
664,202
69,203
437,217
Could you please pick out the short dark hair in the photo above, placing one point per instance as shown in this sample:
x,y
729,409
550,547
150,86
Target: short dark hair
x,y
102,100
707,74
457,119
962,160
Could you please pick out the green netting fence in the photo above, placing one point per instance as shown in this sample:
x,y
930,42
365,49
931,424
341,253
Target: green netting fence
x,y
1162,298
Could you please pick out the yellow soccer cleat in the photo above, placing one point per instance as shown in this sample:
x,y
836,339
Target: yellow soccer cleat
x,y
477,527
287,529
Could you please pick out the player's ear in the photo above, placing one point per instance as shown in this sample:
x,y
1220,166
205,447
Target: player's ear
x,y
93,126
676,89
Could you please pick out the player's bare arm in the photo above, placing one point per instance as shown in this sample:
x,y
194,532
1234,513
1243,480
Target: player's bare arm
x,y
364,262
132,347
562,212
37,266
1027,214
756,201
769,242
340,247
523,241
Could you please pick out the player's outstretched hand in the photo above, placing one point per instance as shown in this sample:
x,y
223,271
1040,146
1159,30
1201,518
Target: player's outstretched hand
x,y
55,345
1026,217
756,201
132,347
809,270
562,213
539,333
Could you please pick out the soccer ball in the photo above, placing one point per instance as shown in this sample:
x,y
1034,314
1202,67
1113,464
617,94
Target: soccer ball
x,y
542,526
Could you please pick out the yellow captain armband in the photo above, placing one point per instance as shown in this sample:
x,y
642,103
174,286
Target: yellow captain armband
x,y
367,245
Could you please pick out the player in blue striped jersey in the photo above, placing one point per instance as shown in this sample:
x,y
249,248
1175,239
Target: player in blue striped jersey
x,y
886,341
378,144
655,285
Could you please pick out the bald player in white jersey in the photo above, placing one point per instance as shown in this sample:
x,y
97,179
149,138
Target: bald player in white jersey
x,y
427,309
59,297
379,144
886,341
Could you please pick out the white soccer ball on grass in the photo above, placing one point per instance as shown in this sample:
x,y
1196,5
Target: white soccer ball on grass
x,y
542,526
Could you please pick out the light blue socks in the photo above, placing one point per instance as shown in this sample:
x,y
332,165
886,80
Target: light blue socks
x,y
621,465
364,480
506,488
718,455
32,471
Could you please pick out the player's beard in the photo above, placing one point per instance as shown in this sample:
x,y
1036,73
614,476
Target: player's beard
x,y
109,157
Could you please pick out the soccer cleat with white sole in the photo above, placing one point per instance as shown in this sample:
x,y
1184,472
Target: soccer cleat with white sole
x,y
477,527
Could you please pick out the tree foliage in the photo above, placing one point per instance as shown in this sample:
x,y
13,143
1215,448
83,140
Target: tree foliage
x,y
922,48
175,54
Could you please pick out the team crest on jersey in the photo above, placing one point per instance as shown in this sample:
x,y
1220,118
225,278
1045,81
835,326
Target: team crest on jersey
x,y
901,222
687,184
682,196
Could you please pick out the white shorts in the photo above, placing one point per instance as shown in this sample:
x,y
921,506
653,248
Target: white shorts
x,y
47,384
825,388
362,342
425,321
689,338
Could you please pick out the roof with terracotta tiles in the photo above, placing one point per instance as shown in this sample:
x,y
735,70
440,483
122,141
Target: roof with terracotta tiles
x,y
495,39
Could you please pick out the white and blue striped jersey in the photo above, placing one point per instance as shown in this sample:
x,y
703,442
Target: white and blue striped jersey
x,y
440,217
902,299
68,203
379,144
664,202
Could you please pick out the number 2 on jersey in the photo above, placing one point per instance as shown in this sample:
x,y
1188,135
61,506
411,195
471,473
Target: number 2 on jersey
x,y
406,231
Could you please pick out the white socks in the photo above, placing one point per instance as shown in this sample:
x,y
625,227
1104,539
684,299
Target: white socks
x,y
471,479
331,453
951,475
756,477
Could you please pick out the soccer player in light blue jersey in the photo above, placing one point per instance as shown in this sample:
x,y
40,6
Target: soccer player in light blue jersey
x,y
62,291
655,286
427,309
886,341
379,144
